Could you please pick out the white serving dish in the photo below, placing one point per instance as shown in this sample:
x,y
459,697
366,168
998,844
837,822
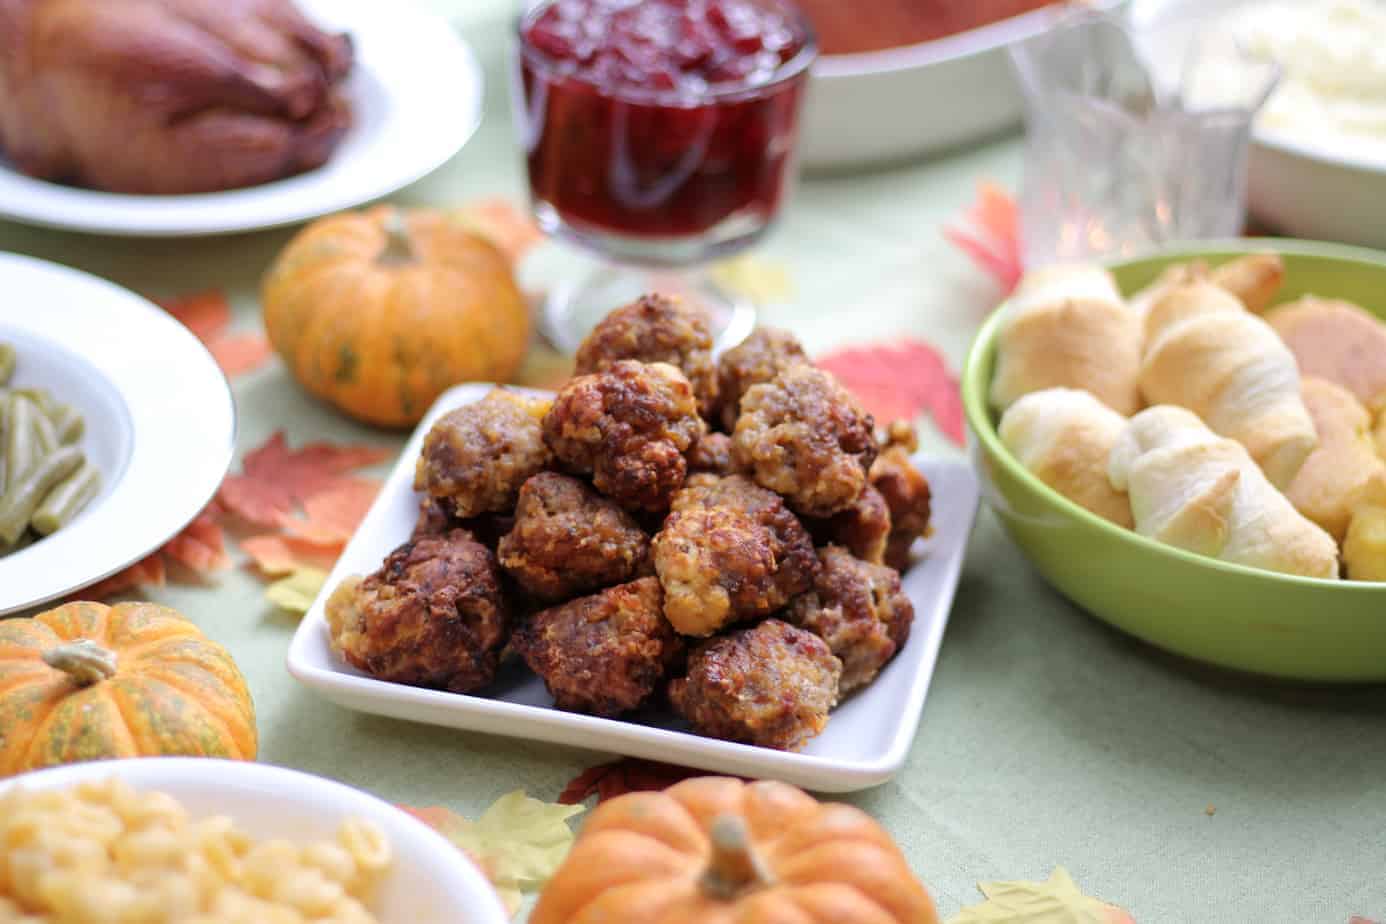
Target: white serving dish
x,y
866,740
889,105
431,881
417,93
160,420
1296,188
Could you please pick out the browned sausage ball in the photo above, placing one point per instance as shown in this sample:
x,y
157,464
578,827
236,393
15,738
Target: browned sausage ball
x,y
569,540
859,609
433,615
477,456
730,550
906,493
655,329
764,354
804,435
863,528
771,685
628,427
712,453
604,654
435,519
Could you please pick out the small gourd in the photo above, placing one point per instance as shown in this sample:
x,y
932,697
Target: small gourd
x,y
88,681
379,312
719,851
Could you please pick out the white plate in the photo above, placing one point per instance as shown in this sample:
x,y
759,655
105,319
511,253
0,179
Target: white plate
x,y
416,92
1293,185
161,423
865,742
883,106
430,882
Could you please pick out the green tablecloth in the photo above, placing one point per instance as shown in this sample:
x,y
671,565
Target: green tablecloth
x,y
1177,792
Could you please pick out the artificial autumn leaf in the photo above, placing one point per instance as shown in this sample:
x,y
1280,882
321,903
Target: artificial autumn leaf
x,y
277,555
519,842
296,592
201,545
207,314
630,774
332,514
900,381
1358,919
759,280
147,572
275,477
500,222
1054,901
990,235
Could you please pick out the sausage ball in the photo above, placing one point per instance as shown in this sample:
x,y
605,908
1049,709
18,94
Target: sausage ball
x,y
476,457
712,453
656,329
605,654
628,427
804,435
436,519
433,615
906,493
568,540
771,685
857,608
764,354
730,550
863,528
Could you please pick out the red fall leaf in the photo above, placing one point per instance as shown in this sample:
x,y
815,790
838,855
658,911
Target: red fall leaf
x,y
332,514
901,381
989,233
200,549
274,477
207,314
629,774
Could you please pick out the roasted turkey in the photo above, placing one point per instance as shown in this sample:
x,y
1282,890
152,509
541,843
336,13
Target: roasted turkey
x,y
168,96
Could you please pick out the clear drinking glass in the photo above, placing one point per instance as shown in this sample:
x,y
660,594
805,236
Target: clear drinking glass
x,y
656,179
1129,143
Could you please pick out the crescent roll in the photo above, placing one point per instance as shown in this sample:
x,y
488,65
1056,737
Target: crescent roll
x,y
1338,341
1344,474
1069,328
1205,352
1065,436
1202,492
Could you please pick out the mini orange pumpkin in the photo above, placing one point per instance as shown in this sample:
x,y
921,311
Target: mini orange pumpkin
x,y
379,312
88,681
715,850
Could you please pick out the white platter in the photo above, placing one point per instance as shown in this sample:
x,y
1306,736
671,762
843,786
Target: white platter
x,y
416,92
865,743
430,880
884,106
160,420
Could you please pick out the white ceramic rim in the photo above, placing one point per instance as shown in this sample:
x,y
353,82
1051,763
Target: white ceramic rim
x,y
410,57
951,47
412,840
311,663
182,418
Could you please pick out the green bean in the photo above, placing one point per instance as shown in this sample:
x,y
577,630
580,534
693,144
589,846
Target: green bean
x,y
21,442
25,539
44,434
66,500
8,358
20,502
68,423
40,397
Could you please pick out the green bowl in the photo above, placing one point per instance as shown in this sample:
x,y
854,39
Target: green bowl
x,y
1231,615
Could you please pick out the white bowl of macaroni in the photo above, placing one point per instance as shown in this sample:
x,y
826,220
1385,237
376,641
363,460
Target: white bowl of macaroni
x,y
201,841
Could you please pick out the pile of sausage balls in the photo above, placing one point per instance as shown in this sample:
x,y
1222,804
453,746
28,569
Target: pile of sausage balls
x,y
724,536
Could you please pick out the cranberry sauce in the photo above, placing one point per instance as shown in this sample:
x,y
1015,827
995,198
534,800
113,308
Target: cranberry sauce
x,y
661,118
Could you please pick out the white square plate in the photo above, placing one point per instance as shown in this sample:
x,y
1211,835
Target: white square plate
x,y
866,740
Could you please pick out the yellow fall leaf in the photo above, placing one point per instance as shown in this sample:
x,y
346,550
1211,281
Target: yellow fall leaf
x,y
297,592
1057,900
759,280
519,842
